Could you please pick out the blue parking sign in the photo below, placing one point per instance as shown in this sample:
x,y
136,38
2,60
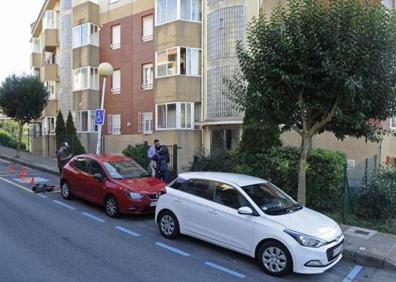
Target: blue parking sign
x,y
99,116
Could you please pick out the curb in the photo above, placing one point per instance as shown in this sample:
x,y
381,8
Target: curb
x,y
35,166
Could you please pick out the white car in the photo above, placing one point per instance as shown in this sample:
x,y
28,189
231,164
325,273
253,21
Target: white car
x,y
251,216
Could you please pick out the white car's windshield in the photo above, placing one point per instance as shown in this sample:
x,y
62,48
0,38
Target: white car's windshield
x,y
271,199
124,169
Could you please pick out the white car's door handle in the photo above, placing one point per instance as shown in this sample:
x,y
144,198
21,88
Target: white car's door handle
x,y
178,200
212,212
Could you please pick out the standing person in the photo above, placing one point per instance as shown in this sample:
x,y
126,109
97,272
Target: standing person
x,y
162,159
153,150
63,155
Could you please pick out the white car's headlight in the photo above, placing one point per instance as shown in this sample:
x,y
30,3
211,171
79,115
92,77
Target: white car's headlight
x,y
306,240
134,195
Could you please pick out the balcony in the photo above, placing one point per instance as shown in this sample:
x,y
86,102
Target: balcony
x,y
50,40
177,33
177,88
85,12
85,56
51,109
35,60
49,72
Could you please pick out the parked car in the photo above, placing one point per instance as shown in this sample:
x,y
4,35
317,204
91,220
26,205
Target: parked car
x,y
114,181
251,216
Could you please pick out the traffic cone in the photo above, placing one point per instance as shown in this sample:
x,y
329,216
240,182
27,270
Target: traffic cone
x,y
32,181
10,168
22,174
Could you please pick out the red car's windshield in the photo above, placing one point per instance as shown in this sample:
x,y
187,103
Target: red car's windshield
x,y
124,169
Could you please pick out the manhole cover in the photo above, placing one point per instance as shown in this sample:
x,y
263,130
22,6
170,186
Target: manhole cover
x,y
362,232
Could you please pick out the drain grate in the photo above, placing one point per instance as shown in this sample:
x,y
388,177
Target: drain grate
x,y
362,232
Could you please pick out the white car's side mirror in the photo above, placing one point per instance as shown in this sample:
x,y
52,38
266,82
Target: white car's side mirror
x,y
245,211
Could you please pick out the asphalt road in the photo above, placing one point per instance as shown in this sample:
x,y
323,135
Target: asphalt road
x,y
45,238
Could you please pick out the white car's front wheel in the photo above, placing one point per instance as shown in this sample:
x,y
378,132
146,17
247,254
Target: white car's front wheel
x,y
274,258
168,225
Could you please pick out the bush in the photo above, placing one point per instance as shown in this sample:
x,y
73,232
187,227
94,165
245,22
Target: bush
x,y
137,153
378,198
6,140
280,166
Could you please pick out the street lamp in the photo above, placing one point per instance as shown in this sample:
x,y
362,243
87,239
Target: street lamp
x,y
105,70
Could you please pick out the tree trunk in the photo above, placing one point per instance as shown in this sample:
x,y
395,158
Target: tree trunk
x,y
305,143
19,139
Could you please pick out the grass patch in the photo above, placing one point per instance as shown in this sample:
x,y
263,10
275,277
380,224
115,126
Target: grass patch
x,y
386,226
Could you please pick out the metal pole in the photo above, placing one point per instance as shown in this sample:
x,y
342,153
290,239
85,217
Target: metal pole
x,y
48,141
98,142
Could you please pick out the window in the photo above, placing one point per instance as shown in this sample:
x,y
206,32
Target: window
x,y
114,124
393,122
227,195
145,122
85,34
147,77
113,1
35,71
178,183
116,37
148,28
388,4
36,45
116,82
48,126
50,20
85,121
82,164
51,88
175,116
178,61
85,78
95,168
171,10
199,188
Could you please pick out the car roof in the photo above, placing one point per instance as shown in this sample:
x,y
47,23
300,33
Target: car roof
x,y
104,157
238,179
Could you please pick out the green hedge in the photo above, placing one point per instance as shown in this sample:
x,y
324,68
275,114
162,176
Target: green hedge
x,y
136,153
325,172
6,140
378,198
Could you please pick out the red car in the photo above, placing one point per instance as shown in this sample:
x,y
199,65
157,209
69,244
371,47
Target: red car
x,y
114,181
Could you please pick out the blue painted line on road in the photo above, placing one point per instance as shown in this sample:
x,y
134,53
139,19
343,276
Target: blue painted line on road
x,y
42,196
64,205
354,272
127,231
172,249
93,217
224,269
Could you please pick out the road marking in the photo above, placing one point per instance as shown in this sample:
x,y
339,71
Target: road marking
x,y
127,231
64,205
4,161
354,272
224,269
27,180
172,249
16,185
93,217
42,196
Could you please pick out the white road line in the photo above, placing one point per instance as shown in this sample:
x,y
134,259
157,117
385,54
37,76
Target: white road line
x,y
224,269
4,161
172,249
93,217
64,205
354,272
127,231
42,196
16,185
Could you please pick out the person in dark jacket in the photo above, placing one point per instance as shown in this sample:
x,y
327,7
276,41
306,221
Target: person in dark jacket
x,y
63,155
162,159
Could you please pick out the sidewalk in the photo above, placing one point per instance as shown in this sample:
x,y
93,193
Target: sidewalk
x,y
363,246
369,247
38,162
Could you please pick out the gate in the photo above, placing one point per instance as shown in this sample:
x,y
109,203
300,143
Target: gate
x,y
172,165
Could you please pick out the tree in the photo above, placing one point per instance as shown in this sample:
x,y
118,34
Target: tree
x,y
60,130
22,98
76,147
319,66
258,136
